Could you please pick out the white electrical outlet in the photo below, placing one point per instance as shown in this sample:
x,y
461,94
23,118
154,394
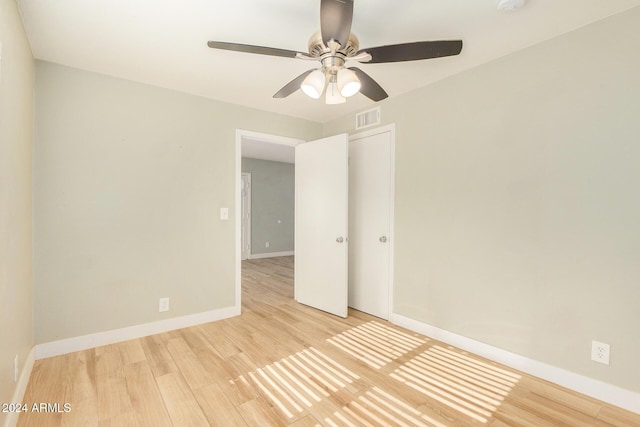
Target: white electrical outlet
x,y
266,244
15,369
600,352
164,305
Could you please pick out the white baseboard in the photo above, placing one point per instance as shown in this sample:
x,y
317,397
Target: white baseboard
x,y
85,342
614,395
271,255
21,387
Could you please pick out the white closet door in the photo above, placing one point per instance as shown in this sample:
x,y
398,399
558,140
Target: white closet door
x,y
321,249
370,223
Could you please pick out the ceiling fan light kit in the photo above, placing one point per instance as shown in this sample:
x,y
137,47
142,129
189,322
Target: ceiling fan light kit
x,y
334,45
333,95
313,84
348,82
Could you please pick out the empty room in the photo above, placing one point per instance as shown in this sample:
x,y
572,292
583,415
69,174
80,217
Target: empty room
x,y
319,213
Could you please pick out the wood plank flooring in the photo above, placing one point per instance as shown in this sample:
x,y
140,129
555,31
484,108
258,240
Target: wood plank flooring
x,y
284,364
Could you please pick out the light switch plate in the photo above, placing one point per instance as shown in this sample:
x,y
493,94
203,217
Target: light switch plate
x,y
224,214
163,305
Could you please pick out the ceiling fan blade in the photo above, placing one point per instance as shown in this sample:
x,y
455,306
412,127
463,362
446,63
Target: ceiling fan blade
x,y
413,51
335,20
260,50
293,85
369,87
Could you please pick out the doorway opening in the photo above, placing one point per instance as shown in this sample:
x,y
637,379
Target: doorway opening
x,y
264,211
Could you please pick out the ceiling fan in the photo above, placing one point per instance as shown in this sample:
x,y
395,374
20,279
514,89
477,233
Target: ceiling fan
x,y
333,46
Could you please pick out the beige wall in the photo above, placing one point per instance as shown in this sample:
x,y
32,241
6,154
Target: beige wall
x,y
128,186
517,208
16,150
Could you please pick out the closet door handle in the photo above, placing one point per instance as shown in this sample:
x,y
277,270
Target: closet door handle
x,y
383,239
339,239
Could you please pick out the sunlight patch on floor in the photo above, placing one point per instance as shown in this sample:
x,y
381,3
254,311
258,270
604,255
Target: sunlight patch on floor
x,y
376,407
375,344
298,382
465,384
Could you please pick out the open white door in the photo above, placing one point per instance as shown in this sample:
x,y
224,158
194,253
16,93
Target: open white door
x,y
321,181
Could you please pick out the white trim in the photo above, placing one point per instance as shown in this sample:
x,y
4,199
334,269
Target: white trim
x,y
273,139
391,128
21,388
271,255
268,138
238,217
85,342
248,227
375,131
614,395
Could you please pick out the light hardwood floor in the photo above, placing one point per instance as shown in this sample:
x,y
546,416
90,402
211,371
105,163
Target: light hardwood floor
x,y
282,363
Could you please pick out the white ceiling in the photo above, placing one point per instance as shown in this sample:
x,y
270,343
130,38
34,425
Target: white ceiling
x,y
265,150
163,42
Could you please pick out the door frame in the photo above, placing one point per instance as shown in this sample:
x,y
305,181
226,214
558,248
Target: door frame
x,y
277,139
391,128
267,138
247,228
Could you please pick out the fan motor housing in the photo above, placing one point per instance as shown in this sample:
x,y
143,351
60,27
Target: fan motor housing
x,y
332,62
317,48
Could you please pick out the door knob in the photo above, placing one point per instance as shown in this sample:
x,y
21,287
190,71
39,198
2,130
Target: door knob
x,y
339,239
383,239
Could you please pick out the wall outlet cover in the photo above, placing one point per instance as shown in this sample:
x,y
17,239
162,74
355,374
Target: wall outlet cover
x,y
600,352
163,305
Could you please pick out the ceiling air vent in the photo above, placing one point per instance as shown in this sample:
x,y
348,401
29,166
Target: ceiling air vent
x,y
368,118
